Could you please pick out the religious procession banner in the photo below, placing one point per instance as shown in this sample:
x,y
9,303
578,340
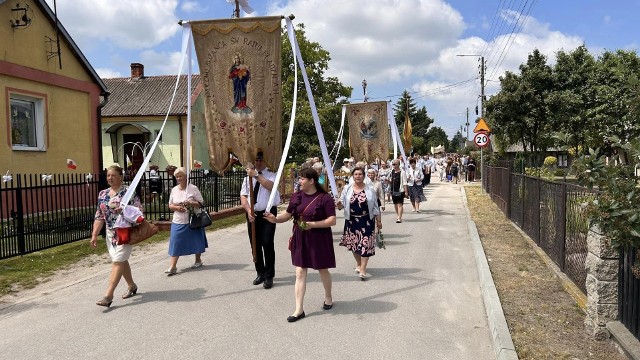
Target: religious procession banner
x,y
240,69
368,133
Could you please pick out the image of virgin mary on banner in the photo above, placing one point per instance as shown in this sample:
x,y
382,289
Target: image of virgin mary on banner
x,y
239,62
368,131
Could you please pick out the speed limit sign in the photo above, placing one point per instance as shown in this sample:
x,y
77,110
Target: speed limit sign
x,y
481,139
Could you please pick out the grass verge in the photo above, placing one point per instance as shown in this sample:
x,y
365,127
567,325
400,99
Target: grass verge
x,y
544,321
24,272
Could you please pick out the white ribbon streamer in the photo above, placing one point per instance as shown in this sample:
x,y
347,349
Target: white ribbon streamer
x,y
338,144
186,37
189,131
287,144
314,111
395,141
396,136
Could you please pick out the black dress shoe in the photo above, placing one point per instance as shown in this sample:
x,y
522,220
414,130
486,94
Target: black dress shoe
x,y
326,307
268,283
292,318
258,280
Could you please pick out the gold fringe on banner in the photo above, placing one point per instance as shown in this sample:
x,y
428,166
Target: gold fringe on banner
x,y
240,68
368,131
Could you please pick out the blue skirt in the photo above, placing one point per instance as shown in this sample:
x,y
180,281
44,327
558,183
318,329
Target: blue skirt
x,y
186,241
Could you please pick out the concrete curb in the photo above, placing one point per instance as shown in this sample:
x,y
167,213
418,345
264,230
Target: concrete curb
x,y
625,339
500,336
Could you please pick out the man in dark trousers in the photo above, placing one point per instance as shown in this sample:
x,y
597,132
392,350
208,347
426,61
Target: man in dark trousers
x,y
263,180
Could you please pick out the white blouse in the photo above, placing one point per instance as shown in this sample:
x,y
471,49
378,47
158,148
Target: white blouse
x,y
179,196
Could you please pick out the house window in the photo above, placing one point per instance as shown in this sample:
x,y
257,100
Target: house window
x,y
27,123
562,160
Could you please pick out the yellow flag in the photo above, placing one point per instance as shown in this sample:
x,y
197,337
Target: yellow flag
x,y
406,133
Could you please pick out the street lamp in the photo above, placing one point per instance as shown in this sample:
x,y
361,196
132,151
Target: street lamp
x,y
364,88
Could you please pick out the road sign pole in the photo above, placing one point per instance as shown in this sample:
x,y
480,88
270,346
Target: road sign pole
x,y
481,171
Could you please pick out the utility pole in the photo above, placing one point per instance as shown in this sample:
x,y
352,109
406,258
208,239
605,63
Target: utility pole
x,y
467,124
482,69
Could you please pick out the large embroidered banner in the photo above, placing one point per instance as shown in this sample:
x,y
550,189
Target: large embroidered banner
x,y
239,62
368,133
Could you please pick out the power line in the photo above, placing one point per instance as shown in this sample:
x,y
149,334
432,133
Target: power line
x,y
425,93
492,27
492,51
515,35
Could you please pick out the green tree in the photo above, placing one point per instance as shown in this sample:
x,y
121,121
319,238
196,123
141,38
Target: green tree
x,y
614,111
328,92
519,113
457,143
435,137
573,97
420,121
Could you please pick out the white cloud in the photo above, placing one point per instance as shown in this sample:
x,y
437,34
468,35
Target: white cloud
x,y
128,24
106,73
378,42
418,52
163,63
190,6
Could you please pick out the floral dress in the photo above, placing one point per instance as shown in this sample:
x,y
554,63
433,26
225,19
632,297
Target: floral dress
x,y
107,206
384,176
358,234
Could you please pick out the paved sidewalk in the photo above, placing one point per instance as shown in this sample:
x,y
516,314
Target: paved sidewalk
x,y
423,301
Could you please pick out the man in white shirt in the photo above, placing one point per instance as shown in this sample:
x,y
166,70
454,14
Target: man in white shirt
x,y
263,179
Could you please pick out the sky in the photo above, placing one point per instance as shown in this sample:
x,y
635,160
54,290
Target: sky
x,y
395,45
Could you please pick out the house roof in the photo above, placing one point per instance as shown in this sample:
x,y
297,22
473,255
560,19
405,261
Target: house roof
x,y
149,95
75,49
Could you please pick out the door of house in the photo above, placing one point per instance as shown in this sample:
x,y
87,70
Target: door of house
x,y
133,152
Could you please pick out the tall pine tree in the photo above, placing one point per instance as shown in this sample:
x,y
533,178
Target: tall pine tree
x,y
420,120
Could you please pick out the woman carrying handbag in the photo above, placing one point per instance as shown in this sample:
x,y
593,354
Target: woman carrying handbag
x,y
184,199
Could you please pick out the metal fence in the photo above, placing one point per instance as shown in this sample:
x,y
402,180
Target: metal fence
x,y
43,211
629,292
551,213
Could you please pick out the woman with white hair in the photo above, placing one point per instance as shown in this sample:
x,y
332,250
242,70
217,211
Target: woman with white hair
x,y
377,187
184,240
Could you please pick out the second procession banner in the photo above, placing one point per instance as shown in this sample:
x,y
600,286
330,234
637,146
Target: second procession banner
x,y
240,69
368,132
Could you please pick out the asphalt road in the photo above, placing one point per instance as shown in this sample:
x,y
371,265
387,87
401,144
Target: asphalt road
x,y
423,301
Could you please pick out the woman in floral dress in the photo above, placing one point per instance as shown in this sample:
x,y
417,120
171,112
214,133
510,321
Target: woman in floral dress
x,y
362,215
106,214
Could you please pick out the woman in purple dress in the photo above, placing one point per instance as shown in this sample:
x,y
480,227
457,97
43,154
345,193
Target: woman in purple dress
x,y
311,244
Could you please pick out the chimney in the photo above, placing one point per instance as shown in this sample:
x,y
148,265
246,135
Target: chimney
x,y
137,71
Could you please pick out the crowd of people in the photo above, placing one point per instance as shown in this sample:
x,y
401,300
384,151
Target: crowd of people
x,y
368,188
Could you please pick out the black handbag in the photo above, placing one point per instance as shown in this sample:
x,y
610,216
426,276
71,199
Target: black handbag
x,y
200,219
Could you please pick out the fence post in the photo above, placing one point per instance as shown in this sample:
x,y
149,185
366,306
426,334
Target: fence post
x,y
216,198
602,284
20,216
563,225
509,181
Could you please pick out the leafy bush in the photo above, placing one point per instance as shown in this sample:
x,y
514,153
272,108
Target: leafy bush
x,y
550,161
615,209
560,173
542,172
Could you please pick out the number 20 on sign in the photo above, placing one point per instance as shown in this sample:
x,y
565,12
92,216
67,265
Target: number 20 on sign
x,y
481,139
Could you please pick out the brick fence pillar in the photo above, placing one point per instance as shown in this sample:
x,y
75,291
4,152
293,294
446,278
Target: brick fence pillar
x,y
602,284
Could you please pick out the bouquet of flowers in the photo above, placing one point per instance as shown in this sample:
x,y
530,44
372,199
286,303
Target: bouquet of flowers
x,y
303,225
